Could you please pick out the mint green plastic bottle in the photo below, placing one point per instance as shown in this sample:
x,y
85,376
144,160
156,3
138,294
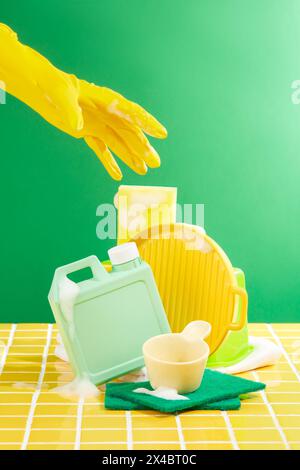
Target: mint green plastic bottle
x,y
105,320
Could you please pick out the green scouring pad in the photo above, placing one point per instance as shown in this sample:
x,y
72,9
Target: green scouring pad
x,y
217,392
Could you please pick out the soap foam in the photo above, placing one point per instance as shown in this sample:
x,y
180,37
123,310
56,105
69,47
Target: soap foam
x,y
162,392
60,351
24,386
80,387
68,292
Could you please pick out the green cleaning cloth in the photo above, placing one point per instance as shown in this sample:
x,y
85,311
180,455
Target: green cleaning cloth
x,y
115,403
215,387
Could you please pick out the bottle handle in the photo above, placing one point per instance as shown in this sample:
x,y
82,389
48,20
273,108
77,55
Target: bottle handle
x,y
92,262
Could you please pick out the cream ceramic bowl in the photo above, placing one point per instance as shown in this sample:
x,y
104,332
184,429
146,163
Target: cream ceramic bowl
x,y
174,361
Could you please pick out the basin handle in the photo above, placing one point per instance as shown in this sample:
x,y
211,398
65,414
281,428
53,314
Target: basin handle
x,y
243,296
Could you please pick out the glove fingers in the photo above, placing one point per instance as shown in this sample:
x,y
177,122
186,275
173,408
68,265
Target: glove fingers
x,y
132,136
104,155
119,147
105,131
116,104
139,144
133,112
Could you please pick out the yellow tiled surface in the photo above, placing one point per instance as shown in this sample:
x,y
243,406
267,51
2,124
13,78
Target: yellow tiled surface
x,y
32,416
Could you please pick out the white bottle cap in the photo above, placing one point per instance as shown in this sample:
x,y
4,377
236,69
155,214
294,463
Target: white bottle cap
x,y
123,253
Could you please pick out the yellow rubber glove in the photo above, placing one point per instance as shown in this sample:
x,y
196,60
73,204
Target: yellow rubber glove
x,y
105,119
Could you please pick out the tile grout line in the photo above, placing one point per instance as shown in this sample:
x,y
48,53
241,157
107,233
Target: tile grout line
x,y
180,432
151,442
38,389
93,443
8,345
285,354
230,430
79,423
205,428
129,430
272,413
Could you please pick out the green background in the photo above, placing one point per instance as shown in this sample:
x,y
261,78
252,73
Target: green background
x,y
218,74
